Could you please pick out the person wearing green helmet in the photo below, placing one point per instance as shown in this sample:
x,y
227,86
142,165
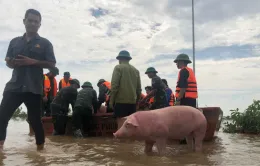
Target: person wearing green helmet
x,y
158,90
104,93
125,88
186,89
60,106
50,90
82,114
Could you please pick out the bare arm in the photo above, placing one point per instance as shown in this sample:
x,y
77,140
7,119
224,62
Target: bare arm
x,y
181,94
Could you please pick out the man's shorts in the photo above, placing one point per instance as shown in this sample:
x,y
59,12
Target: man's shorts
x,y
122,110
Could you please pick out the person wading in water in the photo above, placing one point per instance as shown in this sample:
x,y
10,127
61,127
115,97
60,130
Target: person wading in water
x,y
27,55
125,88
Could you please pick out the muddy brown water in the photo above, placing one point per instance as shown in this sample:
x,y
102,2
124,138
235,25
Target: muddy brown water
x,y
226,149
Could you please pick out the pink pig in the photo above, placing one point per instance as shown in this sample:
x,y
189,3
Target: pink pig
x,y
157,126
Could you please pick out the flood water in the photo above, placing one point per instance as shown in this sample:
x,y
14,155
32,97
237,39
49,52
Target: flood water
x,y
20,149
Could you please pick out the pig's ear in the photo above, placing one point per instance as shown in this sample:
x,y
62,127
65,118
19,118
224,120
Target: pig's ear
x,y
132,122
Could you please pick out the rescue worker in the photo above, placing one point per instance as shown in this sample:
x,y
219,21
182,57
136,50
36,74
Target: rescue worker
x,y
148,89
104,93
148,101
65,81
60,106
186,89
158,90
170,93
125,88
85,104
50,89
27,55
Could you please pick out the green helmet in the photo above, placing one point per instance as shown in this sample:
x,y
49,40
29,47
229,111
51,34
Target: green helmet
x,y
124,54
54,70
74,81
182,57
86,84
101,81
151,70
66,73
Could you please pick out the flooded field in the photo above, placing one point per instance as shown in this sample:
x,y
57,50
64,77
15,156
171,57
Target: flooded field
x,y
226,149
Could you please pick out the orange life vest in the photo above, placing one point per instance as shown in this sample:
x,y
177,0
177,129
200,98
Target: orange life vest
x,y
47,86
64,84
191,91
108,85
151,100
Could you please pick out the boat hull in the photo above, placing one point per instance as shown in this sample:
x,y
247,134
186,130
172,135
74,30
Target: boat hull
x,y
104,124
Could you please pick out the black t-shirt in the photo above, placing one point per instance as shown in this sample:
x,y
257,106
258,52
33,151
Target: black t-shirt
x,y
183,81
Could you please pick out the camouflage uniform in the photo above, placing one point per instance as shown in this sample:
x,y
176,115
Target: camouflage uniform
x,y
160,98
82,114
60,107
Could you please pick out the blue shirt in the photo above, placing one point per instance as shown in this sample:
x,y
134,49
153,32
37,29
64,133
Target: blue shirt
x,y
168,94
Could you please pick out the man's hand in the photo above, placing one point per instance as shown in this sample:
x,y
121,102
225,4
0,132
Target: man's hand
x,y
10,62
177,102
24,61
45,99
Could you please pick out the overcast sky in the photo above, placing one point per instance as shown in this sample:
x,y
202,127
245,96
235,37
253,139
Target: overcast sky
x,y
87,36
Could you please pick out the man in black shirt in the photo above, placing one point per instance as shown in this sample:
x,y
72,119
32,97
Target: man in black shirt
x,y
60,106
27,55
186,90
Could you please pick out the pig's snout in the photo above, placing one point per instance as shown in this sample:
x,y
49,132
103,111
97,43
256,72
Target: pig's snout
x,y
115,135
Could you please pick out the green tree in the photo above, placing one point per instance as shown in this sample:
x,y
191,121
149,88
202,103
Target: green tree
x,y
244,122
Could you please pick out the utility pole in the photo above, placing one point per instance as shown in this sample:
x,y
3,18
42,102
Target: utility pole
x,y
193,42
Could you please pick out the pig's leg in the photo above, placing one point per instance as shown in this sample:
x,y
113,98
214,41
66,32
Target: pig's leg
x,y
148,146
161,145
190,140
199,135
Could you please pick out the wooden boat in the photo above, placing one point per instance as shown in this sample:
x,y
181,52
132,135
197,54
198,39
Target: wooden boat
x,y
104,125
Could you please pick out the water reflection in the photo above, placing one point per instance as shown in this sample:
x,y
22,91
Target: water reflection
x,y
226,149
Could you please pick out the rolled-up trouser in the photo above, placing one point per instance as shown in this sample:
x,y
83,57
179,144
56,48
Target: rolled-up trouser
x,y
59,119
11,101
81,117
